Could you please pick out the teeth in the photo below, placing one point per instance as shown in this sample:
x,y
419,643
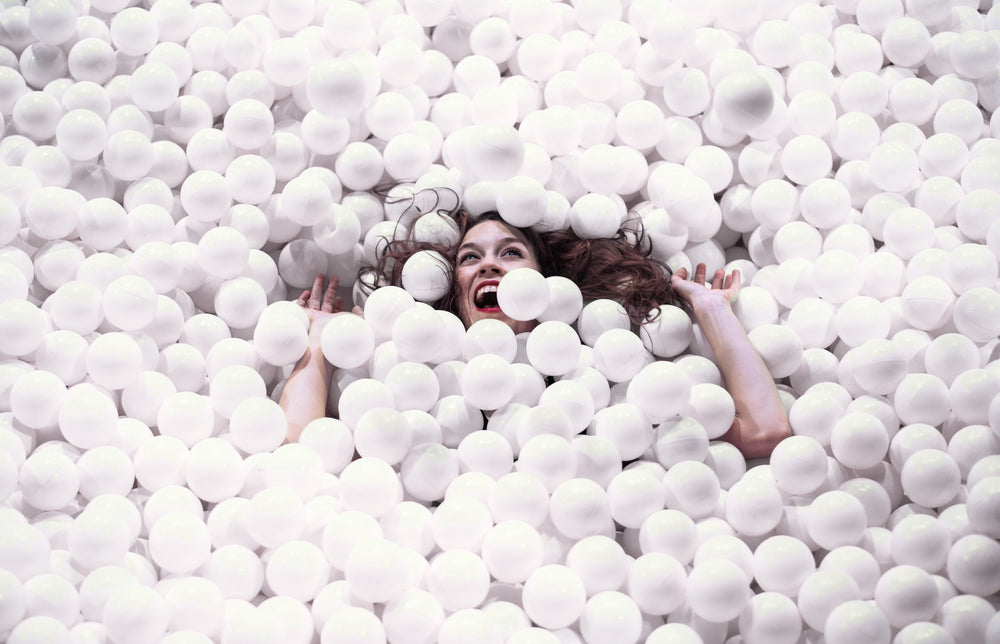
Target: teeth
x,y
482,291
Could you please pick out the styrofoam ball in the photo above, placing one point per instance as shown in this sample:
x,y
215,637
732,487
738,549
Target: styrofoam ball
x,y
805,159
973,54
972,563
600,169
48,479
922,541
347,341
660,389
626,426
154,86
686,91
553,348
133,611
594,216
420,334
782,563
565,301
114,360
633,495
487,381
359,166
179,542
128,155
822,592
250,179
426,276
906,594
554,596
799,465
81,134
600,316
640,124
927,302
753,506
618,354
383,433
338,234
743,101
257,424
494,152
369,485
779,347
717,590
36,397
248,124
930,477
859,440
549,458
52,213
769,616
970,395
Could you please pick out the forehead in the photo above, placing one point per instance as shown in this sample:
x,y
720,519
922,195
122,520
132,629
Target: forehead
x,y
490,230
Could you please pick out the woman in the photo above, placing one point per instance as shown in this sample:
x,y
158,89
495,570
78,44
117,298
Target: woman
x,y
615,269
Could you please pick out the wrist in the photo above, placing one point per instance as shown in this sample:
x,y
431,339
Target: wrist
x,y
707,306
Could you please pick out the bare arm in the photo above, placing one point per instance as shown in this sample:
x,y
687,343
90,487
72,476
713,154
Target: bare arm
x,y
305,394
761,422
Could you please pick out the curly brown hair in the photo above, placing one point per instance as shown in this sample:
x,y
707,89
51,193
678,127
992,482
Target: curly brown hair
x,y
618,268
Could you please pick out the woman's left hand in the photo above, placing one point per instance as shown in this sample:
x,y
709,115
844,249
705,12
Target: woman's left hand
x,y
724,288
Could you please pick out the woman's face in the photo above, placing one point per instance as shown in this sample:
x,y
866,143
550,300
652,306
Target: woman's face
x,y
488,251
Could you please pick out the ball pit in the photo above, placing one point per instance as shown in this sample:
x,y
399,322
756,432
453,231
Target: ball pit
x,y
175,172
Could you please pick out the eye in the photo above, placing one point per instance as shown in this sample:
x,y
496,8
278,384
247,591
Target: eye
x,y
514,251
466,257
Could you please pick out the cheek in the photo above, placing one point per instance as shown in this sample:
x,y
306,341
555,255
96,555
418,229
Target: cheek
x,y
463,279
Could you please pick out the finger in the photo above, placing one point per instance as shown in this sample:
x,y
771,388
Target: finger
x,y
314,297
735,280
330,296
699,274
303,298
681,273
718,278
334,305
357,310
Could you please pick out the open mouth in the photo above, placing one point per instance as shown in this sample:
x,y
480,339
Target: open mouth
x,y
485,297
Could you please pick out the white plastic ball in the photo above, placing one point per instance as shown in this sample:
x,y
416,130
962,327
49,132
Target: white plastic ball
x,y
799,464
717,590
81,134
753,506
930,477
972,563
426,276
906,594
179,542
554,596
743,101
782,563
856,619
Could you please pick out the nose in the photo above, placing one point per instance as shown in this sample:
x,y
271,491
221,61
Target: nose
x,y
489,265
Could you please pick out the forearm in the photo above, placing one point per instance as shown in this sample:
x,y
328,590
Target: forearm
x,y
306,391
761,421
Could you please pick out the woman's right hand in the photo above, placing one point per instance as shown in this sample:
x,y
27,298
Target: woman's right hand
x,y
321,305
700,295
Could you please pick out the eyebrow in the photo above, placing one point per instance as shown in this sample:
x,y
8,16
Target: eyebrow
x,y
501,242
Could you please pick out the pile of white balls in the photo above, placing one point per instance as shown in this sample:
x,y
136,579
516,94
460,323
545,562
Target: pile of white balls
x,y
174,171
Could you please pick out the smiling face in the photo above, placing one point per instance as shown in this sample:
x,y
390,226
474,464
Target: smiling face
x,y
489,251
